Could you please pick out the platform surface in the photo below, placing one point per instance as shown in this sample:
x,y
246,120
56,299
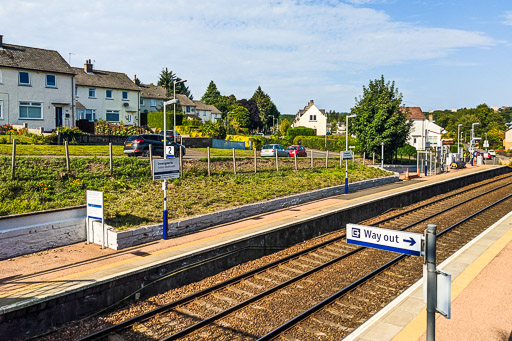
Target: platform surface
x,y
34,278
481,296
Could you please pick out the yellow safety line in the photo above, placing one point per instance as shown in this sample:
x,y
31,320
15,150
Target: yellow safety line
x,y
416,328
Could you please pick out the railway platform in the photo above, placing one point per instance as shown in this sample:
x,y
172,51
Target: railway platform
x,y
36,279
481,296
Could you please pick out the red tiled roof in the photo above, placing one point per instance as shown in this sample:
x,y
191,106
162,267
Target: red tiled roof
x,y
413,113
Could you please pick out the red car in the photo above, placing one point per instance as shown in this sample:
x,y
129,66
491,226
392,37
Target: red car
x,y
299,150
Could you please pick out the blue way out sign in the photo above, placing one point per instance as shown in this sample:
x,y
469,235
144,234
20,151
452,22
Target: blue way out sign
x,y
385,239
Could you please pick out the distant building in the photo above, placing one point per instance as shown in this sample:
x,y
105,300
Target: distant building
x,y
311,117
423,132
36,88
106,95
152,98
507,141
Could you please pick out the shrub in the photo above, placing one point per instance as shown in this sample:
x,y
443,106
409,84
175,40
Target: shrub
x,y
214,130
291,133
334,143
156,120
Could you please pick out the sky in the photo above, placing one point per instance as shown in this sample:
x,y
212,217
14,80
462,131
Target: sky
x,y
440,54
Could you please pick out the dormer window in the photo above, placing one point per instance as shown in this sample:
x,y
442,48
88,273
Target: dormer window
x,y
23,78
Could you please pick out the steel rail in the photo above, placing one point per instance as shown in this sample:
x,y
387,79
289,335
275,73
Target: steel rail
x,y
145,316
277,331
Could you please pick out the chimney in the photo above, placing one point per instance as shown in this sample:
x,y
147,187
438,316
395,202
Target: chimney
x,y
134,79
430,117
1,40
88,66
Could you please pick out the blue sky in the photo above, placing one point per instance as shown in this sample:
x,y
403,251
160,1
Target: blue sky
x,y
441,54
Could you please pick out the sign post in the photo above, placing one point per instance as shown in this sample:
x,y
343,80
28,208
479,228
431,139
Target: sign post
x,y
95,212
411,244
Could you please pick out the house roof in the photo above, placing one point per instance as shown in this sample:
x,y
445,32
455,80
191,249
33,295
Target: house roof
x,y
104,79
185,101
306,108
153,91
201,106
413,113
31,58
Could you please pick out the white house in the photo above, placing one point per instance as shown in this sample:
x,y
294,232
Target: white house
x,y
106,95
311,117
152,98
507,141
207,113
36,88
422,130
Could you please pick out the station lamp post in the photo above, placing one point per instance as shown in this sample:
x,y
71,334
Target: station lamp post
x,y
458,138
473,131
346,148
174,97
164,184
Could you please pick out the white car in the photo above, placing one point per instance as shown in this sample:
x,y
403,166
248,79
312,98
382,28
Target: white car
x,y
272,149
492,152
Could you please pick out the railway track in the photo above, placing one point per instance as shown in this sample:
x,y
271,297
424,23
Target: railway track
x,y
257,303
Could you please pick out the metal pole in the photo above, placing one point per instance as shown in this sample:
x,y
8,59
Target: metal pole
x,y
430,259
382,161
174,117
164,185
346,161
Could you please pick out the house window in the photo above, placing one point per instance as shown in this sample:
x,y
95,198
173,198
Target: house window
x,y
76,91
0,76
128,118
87,114
51,81
113,115
108,94
312,117
125,95
414,140
92,93
24,78
1,109
153,102
31,110
142,101
188,108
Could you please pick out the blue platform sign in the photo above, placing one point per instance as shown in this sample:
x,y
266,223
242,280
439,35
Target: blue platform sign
x,y
385,239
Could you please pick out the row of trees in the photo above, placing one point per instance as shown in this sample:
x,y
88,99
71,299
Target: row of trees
x,y
256,113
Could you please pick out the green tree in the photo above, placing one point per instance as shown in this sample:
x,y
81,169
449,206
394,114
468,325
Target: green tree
x,y
267,108
285,125
167,79
239,118
379,119
212,95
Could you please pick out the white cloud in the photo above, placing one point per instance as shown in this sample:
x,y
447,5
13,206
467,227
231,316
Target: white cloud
x,y
286,46
508,18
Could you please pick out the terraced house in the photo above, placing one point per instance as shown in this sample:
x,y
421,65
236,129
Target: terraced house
x,y
106,95
36,88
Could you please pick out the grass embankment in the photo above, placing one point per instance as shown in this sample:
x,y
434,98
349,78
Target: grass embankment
x,y
132,198
42,149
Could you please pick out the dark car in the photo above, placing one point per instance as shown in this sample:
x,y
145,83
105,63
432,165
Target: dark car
x,y
139,145
299,150
170,134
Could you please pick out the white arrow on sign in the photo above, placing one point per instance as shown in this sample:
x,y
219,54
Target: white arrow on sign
x,y
385,239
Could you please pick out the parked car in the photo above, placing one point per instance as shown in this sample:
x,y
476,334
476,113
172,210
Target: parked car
x,y
487,155
170,133
139,145
272,149
299,150
492,152
258,134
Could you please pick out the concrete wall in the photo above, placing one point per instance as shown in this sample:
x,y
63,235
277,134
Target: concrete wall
x,y
11,94
28,233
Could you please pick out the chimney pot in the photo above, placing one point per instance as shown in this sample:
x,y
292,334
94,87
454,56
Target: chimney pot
x,y
1,40
88,66
430,117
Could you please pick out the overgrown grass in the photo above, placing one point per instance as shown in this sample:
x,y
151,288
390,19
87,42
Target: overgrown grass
x,y
226,152
38,149
132,198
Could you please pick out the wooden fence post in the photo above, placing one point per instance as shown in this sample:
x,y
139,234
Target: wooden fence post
x,y
373,162
364,157
150,157
341,159
181,161
255,162
234,162
295,156
66,147
209,169
112,159
326,159
277,162
13,166
312,159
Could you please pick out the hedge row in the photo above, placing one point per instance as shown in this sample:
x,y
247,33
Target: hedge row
x,y
156,120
